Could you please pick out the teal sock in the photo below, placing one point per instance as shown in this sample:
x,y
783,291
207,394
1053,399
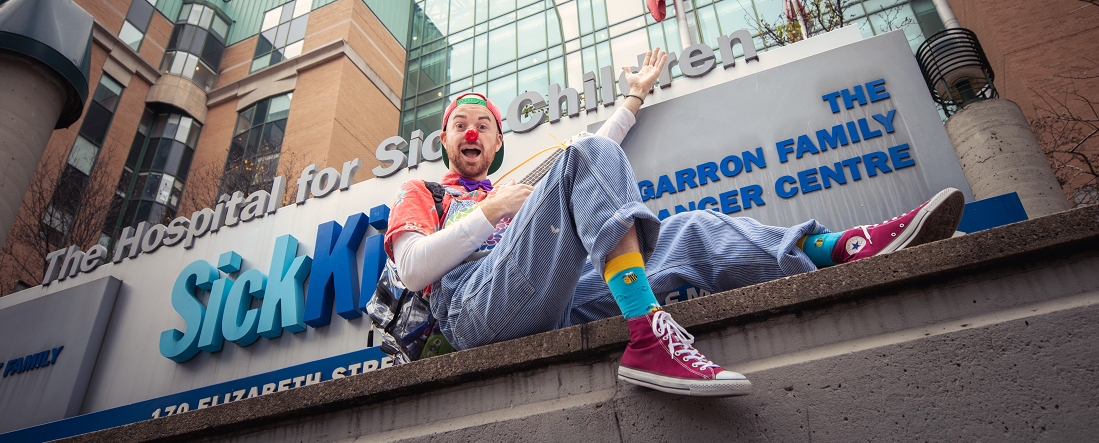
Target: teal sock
x,y
819,248
630,286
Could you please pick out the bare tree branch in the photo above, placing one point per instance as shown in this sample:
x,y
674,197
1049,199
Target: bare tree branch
x,y
39,228
1067,127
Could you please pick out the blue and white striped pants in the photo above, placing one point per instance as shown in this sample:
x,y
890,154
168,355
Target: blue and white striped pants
x,y
540,276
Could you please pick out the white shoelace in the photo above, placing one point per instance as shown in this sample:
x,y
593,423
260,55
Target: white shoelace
x,y
665,328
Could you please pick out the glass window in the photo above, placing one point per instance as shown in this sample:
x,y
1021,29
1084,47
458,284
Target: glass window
x,y
533,34
302,7
279,108
174,157
437,12
734,16
253,154
569,20
196,14
297,29
535,78
184,12
97,121
497,8
199,40
281,34
140,14
480,54
294,49
461,59
271,19
501,47
627,47
108,92
622,10
207,15
83,155
461,14
131,35
220,27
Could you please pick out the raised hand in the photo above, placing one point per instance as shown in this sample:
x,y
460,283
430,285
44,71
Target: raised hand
x,y
644,79
505,201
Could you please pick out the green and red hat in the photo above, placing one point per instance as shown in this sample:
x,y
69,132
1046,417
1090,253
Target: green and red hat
x,y
473,98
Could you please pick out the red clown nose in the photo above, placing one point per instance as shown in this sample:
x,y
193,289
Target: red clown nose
x,y
472,134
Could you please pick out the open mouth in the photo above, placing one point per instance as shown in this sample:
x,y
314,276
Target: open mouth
x,y
471,152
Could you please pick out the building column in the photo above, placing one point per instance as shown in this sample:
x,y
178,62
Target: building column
x,y
1000,154
31,99
45,52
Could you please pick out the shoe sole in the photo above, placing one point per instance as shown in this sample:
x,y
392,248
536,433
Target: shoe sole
x,y
694,388
936,221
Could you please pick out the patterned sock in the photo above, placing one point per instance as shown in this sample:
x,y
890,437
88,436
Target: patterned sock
x,y
625,275
819,248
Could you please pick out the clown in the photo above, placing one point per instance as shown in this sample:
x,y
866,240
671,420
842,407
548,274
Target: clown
x,y
513,260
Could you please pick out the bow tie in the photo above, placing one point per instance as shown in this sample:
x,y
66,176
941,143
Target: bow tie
x,y
472,185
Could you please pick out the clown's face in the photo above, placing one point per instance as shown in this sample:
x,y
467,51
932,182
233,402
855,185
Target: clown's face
x,y
471,159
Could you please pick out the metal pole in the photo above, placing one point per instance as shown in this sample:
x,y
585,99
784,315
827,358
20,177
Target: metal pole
x,y
681,22
947,14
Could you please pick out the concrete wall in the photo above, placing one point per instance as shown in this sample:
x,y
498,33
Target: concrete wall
x,y
986,336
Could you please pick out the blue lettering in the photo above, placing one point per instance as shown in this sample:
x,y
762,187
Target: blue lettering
x,y
875,160
752,194
850,99
828,174
806,145
852,165
756,159
728,202
876,90
831,99
737,166
853,131
284,303
663,214
685,178
56,352
886,120
901,159
784,147
664,184
333,274
708,201
780,187
379,217
646,189
211,338
180,346
808,181
834,140
707,171
867,134
239,323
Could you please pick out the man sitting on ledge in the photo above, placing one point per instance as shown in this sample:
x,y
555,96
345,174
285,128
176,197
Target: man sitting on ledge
x,y
514,260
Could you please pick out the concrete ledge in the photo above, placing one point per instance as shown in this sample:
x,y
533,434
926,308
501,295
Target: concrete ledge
x,y
179,92
991,255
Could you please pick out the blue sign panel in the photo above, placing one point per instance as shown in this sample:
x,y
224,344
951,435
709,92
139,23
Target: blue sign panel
x,y
305,374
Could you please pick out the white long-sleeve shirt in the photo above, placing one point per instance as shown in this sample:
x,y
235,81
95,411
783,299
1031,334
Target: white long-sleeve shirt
x,y
424,259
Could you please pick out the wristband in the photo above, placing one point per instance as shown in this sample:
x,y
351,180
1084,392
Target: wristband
x,y
634,96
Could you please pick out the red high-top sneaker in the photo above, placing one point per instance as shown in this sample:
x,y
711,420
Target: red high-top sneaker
x,y
934,220
660,356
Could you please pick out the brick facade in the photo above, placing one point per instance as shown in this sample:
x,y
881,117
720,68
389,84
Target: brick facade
x,y
1034,47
